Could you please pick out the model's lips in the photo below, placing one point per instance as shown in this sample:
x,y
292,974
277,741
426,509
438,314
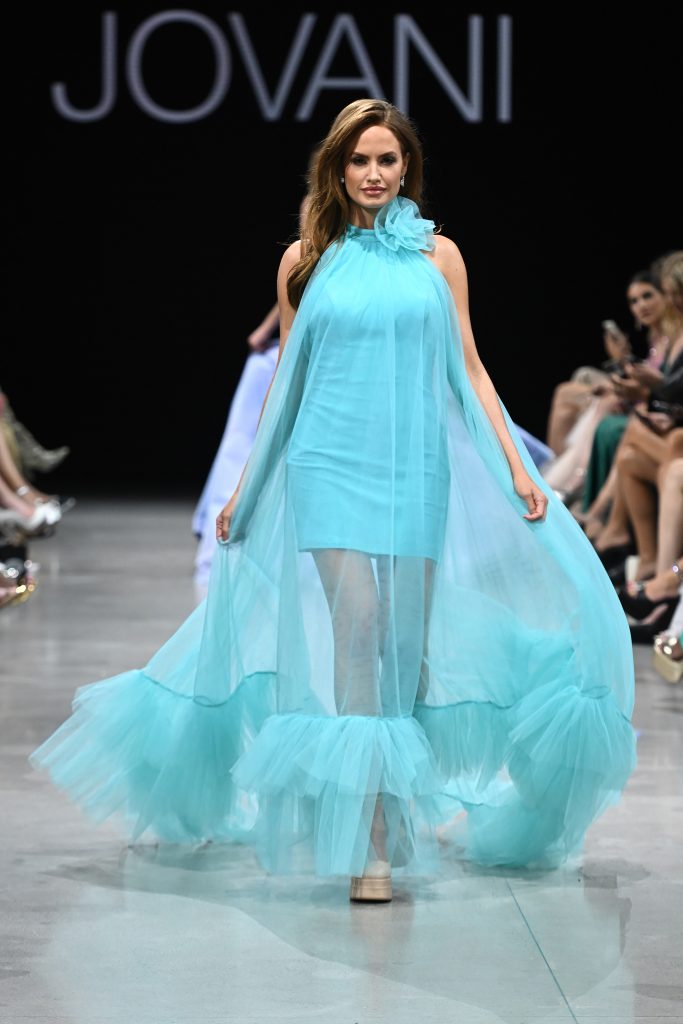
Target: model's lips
x,y
373,191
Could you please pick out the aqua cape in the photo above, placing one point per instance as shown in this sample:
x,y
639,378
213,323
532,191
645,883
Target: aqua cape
x,y
381,622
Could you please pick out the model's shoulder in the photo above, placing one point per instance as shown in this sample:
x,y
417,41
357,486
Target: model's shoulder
x,y
291,255
447,258
446,251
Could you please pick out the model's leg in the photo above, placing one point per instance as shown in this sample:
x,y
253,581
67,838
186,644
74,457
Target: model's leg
x,y
405,587
430,572
386,565
351,593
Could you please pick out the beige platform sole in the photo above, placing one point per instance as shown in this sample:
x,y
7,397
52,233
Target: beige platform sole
x,y
668,668
374,886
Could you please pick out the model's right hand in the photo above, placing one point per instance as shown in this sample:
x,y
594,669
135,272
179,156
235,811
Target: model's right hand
x,y
223,519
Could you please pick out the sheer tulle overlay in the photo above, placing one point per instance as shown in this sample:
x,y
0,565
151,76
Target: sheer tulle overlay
x,y
390,660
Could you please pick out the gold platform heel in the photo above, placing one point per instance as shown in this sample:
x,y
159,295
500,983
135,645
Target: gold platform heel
x,y
374,885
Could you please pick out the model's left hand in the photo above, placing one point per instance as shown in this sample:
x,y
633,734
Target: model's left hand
x,y
536,500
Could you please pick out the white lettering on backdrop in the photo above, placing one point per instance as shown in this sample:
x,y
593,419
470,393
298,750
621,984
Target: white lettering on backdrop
x,y
407,40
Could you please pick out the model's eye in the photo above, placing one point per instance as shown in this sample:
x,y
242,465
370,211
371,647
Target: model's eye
x,y
385,159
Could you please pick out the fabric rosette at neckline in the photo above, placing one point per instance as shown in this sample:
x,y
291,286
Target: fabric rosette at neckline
x,y
399,224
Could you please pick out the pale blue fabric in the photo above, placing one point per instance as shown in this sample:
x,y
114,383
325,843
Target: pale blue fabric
x,y
368,464
233,452
383,628
539,451
237,439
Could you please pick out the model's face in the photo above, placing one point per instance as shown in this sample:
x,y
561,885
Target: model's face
x,y
372,175
672,294
646,303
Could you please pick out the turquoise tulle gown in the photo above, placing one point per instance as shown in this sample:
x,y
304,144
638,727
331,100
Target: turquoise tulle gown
x,y
387,647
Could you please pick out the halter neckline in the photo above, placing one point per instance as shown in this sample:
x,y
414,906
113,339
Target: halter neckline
x,y
398,224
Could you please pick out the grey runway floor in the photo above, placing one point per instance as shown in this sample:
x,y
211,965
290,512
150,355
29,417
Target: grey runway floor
x,y
93,930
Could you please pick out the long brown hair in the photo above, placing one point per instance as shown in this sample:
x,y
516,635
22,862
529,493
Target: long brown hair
x,y
328,208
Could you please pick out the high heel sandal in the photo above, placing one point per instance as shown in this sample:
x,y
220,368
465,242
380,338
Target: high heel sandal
x,y
645,632
663,661
639,605
374,885
617,554
639,586
617,574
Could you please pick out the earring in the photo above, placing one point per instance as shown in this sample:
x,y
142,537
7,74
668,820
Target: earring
x,y
342,178
403,179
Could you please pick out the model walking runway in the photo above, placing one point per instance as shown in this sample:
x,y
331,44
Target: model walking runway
x,y
456,679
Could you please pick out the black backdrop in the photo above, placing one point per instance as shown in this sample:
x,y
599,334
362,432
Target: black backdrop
x,y
143,252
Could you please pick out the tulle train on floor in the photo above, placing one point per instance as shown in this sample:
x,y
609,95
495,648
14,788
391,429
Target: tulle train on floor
x,y
491,675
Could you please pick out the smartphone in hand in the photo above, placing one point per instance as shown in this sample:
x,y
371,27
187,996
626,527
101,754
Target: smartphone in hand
x,y
613,328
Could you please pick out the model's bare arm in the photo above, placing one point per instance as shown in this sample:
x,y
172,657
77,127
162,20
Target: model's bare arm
x,y
448,259
286,312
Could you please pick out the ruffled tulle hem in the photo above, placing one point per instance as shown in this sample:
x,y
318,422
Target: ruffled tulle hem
x,y
538,772
317,780
157,759
302,788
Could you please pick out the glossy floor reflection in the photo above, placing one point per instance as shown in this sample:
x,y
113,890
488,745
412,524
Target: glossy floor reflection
x,y
93,930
